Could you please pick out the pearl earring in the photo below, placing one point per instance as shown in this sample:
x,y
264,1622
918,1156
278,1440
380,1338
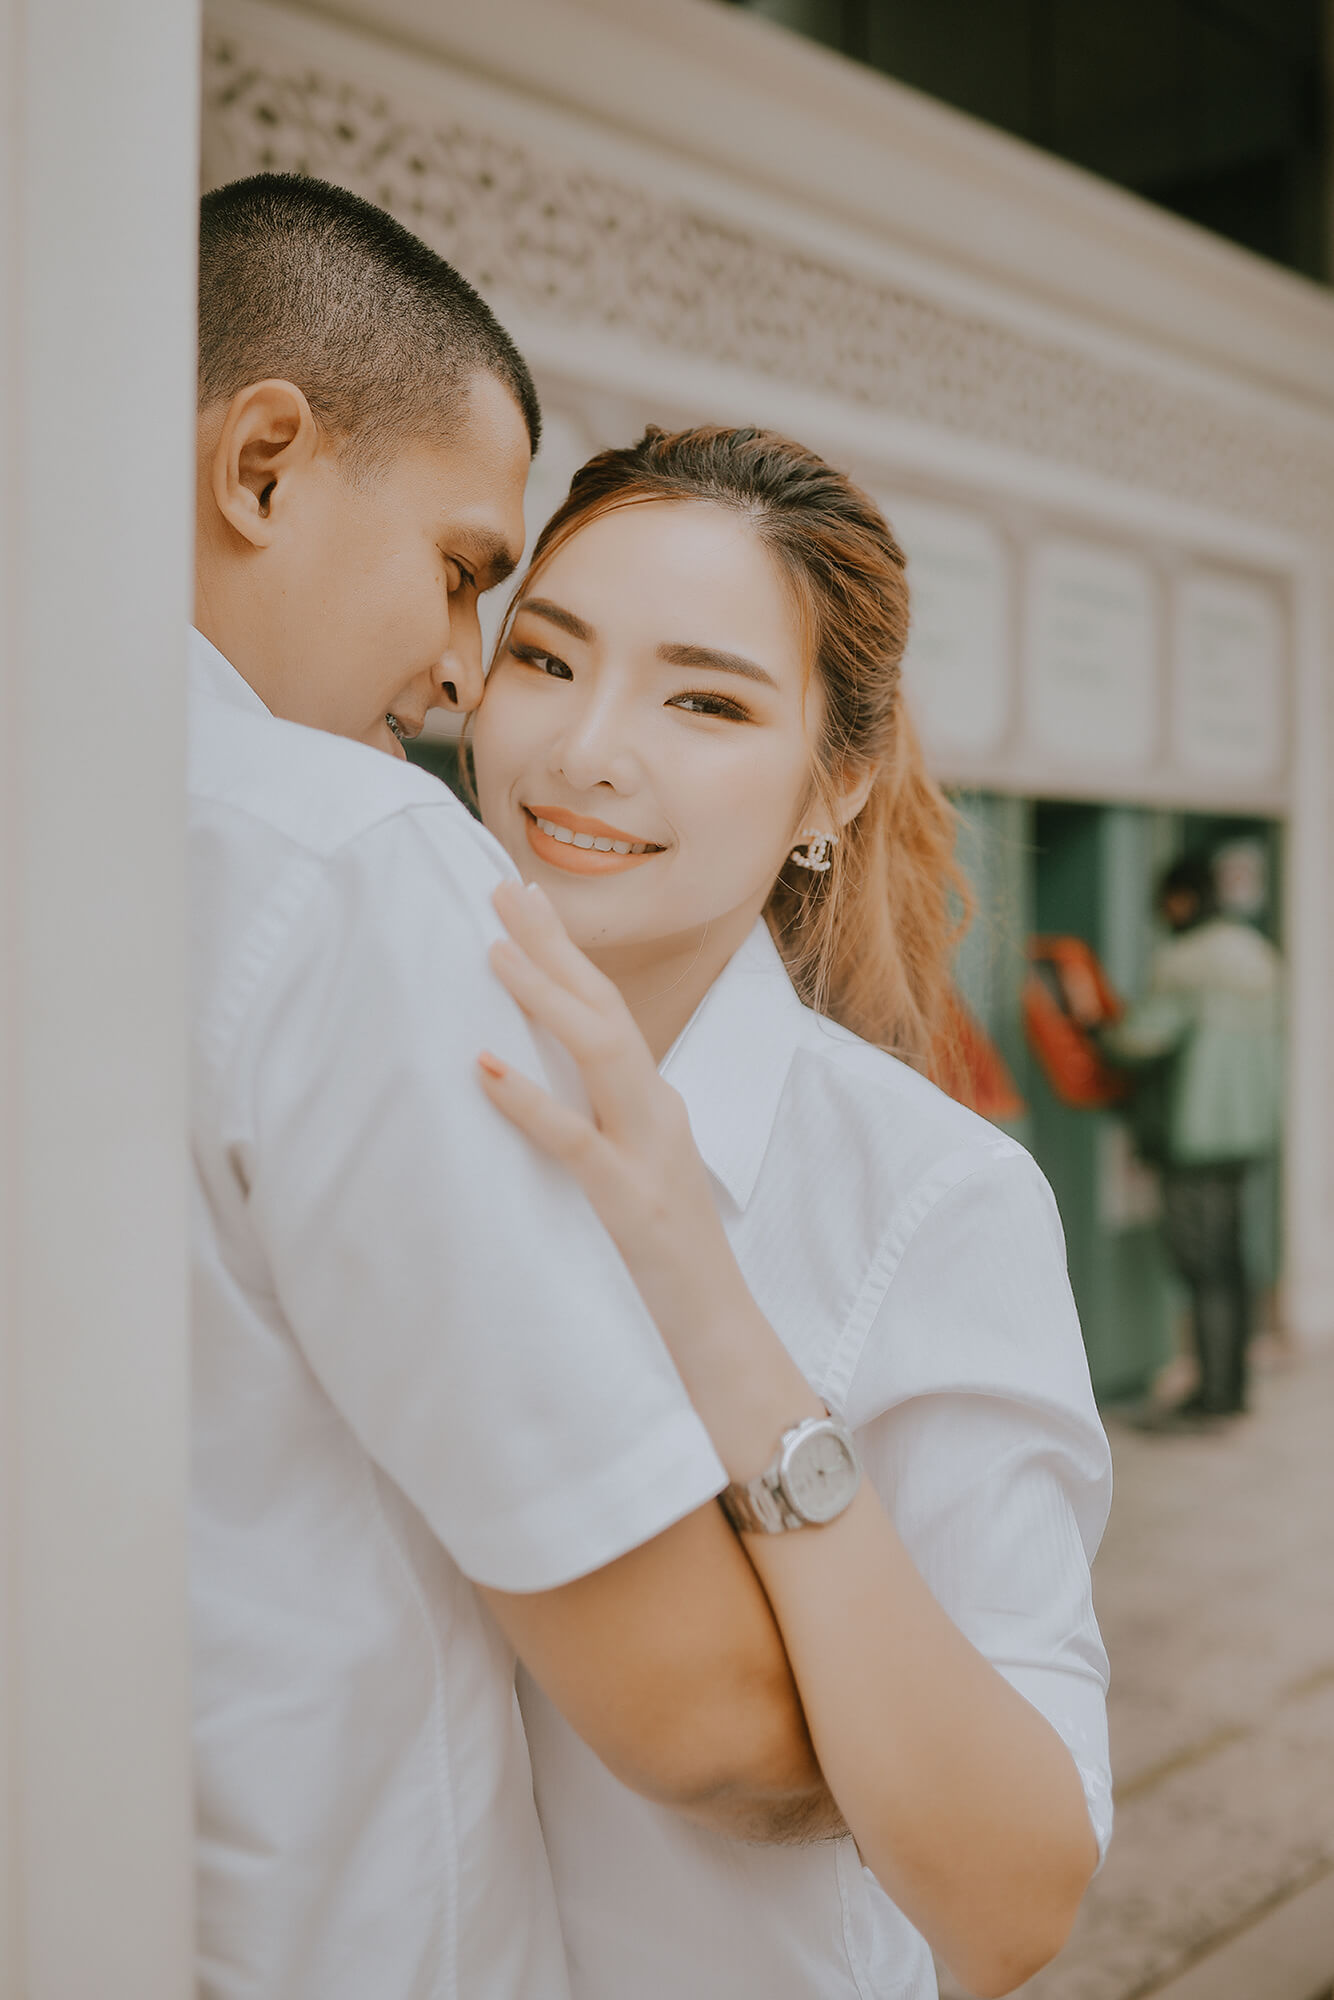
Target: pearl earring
x,y
812,850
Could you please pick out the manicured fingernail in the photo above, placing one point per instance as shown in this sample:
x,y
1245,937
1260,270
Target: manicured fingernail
x,y
491,1064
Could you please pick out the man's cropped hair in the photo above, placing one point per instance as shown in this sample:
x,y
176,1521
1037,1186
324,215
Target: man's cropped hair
x,y
306,283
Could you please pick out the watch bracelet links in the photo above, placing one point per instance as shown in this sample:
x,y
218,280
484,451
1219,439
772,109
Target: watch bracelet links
x,y
762,1510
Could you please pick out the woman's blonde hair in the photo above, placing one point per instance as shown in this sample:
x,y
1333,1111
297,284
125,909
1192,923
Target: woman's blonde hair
x,y
870,942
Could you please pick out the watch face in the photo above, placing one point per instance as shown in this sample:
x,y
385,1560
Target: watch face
x,y
819,1475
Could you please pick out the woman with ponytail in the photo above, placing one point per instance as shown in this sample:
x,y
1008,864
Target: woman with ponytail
x,y
694,747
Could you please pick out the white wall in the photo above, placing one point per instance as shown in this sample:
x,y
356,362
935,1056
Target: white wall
x,y
97,184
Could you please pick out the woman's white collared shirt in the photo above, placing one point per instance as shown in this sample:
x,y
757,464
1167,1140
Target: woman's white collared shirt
x,y
911,1257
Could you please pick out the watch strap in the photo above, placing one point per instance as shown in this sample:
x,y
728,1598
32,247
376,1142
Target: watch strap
x,y
757,1507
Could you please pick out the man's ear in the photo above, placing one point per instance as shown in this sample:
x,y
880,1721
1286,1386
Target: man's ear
x,y
268,436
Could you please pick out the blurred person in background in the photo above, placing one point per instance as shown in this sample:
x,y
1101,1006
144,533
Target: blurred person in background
x,y
1205,1045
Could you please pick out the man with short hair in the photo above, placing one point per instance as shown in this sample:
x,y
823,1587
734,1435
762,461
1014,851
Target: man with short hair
x,y
432,1420
1206,1042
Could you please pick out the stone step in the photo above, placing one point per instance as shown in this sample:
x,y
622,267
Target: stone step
x,y
1286,1954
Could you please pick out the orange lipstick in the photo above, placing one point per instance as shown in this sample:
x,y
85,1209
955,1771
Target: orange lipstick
x,y
581,846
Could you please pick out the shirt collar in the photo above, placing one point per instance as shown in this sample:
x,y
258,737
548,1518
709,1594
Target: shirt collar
x,y
730,1063
214,678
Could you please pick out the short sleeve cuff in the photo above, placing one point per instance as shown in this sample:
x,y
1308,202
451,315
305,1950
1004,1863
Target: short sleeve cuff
x,y
587,1522
1076,1709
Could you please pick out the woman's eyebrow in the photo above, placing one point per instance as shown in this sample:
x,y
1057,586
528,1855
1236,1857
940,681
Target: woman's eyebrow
x,y
556,614
715,662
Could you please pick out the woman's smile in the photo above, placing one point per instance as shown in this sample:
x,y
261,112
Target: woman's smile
x,y
583,846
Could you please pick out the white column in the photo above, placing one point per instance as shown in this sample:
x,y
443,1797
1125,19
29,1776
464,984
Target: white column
x,y
1329,141
97,190
1308,1164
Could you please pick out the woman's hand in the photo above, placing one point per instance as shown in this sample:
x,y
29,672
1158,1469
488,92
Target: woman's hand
x,y
633,1155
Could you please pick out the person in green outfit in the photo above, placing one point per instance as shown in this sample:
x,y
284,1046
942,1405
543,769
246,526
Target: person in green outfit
x,y
1205,1043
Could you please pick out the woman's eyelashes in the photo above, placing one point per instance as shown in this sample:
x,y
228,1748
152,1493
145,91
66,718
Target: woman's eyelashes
x,y
703,703
545,663
693,701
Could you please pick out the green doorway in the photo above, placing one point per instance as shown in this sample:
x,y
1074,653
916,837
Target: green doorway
x,y
1089,870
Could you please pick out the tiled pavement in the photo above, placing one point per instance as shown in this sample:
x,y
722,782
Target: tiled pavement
x,y
1215,1589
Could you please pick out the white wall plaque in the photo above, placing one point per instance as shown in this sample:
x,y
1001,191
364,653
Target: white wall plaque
x,y
1227,678
958,669
1089,666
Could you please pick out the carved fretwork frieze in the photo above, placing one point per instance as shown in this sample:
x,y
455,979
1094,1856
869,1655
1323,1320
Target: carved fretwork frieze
x,y
548,236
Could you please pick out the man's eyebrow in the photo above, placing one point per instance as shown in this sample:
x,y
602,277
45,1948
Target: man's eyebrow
x,y
716,662
490,556
556,614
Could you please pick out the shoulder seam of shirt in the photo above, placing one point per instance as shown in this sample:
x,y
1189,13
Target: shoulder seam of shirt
x,y
277,917
944,1177
445,803
842,1050
289,894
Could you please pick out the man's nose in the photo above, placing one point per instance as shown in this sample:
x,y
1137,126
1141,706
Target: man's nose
x,y
459,675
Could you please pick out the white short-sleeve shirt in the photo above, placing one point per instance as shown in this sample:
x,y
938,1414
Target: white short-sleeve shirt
x,y
417,1359
911,1258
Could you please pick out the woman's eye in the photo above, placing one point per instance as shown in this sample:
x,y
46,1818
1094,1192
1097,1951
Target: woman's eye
x,y
546,663
466,579
711,704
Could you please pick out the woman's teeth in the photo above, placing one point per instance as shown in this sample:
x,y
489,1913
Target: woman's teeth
x,y
569,839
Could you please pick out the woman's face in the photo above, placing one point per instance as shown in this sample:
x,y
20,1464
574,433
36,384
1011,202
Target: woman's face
x,y
652,698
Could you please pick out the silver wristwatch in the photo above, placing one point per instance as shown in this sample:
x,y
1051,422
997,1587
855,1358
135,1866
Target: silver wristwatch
x,y
812,1479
